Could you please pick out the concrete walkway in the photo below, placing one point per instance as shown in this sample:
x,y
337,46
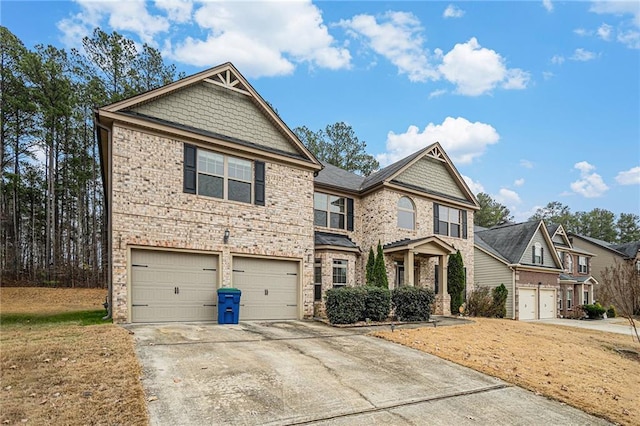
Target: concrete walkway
x,y
610,325
298,372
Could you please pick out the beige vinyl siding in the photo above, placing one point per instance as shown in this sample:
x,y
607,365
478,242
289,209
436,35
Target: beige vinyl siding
x,y
431,175
527,256
490,273
208,107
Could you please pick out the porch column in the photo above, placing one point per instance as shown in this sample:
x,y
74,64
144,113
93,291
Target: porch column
x,y
443,300
408,268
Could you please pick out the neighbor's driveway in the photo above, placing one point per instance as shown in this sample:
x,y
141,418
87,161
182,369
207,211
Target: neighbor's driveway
x,y
610,325
296,372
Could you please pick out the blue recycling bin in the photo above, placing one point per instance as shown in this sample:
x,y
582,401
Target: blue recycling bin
x,y
228,305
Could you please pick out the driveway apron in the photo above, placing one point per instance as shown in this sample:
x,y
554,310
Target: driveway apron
x,y
296,372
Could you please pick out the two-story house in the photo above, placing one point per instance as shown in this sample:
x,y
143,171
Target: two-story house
x,y
206,187
577,285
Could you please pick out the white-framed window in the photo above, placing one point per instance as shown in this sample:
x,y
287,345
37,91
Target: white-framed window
x,y
317,280
399,273
569,298
223,176
329,211
570,263
406,213
585,298
538,253
449,221
583,265
561,256
340,273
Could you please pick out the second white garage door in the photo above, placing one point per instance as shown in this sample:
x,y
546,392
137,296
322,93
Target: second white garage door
x,y
526,303
269,288
547,304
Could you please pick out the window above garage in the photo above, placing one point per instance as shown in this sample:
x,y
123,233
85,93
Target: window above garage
x,y
222,176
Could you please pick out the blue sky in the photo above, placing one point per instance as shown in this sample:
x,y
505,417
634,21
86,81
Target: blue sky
x,y
534,101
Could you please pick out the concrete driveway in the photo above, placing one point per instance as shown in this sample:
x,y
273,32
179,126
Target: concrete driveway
x,y
296,372
610,325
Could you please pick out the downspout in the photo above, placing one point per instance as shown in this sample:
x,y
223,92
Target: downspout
x,y
107,189
513,293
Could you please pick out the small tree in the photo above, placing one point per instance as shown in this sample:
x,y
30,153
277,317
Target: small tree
x,y
371,261
379,270
455,281
621,287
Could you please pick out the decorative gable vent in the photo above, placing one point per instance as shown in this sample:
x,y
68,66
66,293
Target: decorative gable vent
x,y
229,80
436,153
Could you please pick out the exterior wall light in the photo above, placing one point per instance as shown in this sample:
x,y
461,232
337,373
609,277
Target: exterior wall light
x,y
226,236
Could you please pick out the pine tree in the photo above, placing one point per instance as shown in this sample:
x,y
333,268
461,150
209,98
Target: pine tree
x,y
371,261
455,281
379,270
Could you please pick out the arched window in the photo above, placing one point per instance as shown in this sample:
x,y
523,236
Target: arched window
x,y
406,213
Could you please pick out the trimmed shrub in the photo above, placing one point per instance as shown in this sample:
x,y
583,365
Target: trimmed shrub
x,y
480,302
412,303
594,311
380,270
345,305
377,303
611,312
499,305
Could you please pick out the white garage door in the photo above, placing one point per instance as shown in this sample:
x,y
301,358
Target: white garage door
x,y
526,303
547,304
173,286
269,288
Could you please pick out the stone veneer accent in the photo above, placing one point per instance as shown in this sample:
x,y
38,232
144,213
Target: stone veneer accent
x,y
150,209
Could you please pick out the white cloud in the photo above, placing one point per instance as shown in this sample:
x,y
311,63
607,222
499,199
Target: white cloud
x,y
476,70
604,32
462,140
629,38
547,4
618,8
629,177
557,59
582,32
590,184
437,93
122,16
177,10
526,164
261,41
475,187
519,182
507,197
453,12
582,55
547,75
397,37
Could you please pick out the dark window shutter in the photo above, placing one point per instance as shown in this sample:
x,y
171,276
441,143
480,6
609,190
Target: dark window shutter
x,y
542,256
349,214
259,183
189,184
436,219
533,254
464,224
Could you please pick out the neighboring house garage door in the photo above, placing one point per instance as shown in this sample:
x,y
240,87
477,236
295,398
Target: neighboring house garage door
x,y
269,288
526,303
547,304
173,286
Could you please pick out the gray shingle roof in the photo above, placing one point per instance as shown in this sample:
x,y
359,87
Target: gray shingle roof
x,y
630,250
379,176
339,178
579,279
336,240
601,243
509,241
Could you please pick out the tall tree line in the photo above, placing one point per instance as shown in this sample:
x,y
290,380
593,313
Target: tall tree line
x,y
52,224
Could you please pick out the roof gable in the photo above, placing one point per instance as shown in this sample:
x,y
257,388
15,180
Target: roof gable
x,y
558,235
218,101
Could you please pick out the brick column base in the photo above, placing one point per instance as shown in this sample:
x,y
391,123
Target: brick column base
x,y
443,304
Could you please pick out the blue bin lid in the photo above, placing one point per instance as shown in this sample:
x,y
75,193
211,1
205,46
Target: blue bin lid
x,y
229,290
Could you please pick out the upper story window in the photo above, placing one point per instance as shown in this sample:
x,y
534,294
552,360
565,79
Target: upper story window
x,y
406,213
583,265
332,211
449,221
570,263
561,256
538,254
221,176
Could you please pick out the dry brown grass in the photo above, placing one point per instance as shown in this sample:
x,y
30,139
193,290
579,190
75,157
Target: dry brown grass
x,y
63,373
30,300
579,367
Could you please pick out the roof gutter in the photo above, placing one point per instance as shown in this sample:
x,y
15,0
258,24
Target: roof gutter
x,y
107,192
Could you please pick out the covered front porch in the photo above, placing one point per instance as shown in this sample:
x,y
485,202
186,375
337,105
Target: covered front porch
x,y
421,262
575,291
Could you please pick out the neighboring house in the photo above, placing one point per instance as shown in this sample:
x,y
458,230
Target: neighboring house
x,y
206,187
577,284
523,258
